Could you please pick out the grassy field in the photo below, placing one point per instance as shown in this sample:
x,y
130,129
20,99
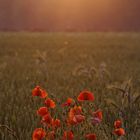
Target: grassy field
x,y
65,64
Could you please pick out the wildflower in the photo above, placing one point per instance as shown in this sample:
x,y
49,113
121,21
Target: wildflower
x,y
119,131
75,116
68,102
97,117
50,103
95,121
37,91
72,121
91,136
38,134
86,96
47,119
79,118
117,123
76,110
56,123
68,135
76,119
42,111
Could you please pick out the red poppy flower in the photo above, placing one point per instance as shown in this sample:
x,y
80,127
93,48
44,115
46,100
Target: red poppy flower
x,y
97,117
68,102
72,121
38,134
77,110
56,123
119,131
86,96
75,116
37,91
68,135
91,136
79,118
117,123
42,111
47,119
98,114
76,119
50,103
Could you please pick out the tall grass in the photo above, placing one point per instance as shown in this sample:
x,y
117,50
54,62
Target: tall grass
x,y
65,64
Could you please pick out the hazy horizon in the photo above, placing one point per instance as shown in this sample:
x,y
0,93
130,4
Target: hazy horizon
x,y
70,15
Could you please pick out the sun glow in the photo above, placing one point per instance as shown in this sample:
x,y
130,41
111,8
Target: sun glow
x,y
75,10
70,14
75,5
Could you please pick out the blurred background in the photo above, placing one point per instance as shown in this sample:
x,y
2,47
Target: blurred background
x,y
70,15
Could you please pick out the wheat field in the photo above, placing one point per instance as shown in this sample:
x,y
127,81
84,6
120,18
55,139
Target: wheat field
x,y
108,64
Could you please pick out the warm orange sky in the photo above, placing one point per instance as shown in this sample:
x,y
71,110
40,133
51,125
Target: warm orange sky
x,y
70,14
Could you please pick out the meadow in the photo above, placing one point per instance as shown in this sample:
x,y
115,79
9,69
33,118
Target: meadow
x,y
108,64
